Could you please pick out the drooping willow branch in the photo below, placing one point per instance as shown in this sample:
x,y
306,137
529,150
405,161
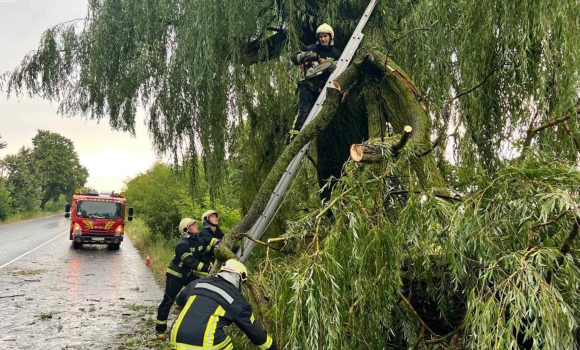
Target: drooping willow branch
x,y
576,140
534,227
410,307
565,248
446,107
532,131
397,39
438,195
257,241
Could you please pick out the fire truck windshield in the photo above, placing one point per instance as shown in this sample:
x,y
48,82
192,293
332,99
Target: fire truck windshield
x,y
99,210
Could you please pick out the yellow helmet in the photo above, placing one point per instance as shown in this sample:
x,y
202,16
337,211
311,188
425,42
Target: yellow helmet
x,y
325,29
184,224
205,215
232,265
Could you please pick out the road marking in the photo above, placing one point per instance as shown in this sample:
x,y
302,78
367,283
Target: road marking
x,y
30,251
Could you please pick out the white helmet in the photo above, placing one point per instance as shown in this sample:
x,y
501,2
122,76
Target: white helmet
x,y
232,265
325,29
206,215
184,224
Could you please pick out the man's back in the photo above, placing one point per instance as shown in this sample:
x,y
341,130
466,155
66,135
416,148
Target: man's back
x,y
210,304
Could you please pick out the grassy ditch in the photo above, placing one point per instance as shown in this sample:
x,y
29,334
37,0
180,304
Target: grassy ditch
x,y
159,250
29,216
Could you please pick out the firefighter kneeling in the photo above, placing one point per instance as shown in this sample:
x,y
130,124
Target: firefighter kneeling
x,y
209,305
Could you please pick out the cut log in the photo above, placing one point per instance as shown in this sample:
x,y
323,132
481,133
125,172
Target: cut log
x,y
365,153
368,153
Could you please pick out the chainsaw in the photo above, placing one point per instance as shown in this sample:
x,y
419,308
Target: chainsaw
x,y
316,69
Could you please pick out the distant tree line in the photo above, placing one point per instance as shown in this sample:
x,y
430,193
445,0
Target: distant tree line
x,y
39,177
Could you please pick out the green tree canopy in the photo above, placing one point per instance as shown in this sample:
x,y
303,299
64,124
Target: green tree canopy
x,y
21,180
56,165
162,196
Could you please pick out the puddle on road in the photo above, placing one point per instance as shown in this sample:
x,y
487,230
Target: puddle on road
x,y
79,299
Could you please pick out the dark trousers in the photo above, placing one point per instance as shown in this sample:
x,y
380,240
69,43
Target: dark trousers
x,y
307,95
172,287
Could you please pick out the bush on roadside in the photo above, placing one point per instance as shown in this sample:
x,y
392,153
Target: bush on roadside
x,y
5,202
161,197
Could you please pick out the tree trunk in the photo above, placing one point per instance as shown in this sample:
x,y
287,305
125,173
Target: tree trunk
x,y
307,134
349,108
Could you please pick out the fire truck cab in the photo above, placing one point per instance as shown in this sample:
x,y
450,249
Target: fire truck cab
x,y
97,218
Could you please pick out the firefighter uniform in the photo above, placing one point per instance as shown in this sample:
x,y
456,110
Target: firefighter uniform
x,y
209,305
309,89
185,267
207,241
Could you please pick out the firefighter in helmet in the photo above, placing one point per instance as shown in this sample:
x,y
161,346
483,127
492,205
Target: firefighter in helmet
x,y
212,303
316,62
209,237
184,267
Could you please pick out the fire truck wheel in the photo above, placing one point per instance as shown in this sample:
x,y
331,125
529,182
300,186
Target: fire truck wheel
x,y
77,245
113,246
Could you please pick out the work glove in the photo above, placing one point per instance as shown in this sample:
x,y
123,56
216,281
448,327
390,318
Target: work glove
x,y
308,56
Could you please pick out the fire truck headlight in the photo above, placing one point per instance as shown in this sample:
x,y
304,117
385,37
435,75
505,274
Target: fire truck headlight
x,y
77,230
119,231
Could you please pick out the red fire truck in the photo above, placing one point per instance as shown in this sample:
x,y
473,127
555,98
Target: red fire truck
x,y
97,218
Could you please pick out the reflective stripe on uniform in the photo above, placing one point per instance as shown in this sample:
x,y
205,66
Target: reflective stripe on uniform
x,y
174,273
185,255
225,345
252,318
200,266
267,344
175,328
211,244
208,337
217,290
161,322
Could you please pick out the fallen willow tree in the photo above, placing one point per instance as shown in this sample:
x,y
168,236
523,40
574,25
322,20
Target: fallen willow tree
x,y
492,270
463,238
406,261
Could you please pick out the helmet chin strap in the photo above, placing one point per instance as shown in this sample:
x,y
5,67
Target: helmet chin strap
x,y
207,224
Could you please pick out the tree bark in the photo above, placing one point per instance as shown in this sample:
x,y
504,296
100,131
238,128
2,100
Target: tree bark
x,y
307,134
366,153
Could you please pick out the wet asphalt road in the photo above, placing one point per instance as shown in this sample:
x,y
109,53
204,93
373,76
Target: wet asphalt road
x,y
55,297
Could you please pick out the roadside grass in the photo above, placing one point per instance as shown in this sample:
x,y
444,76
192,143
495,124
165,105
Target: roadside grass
x,y
159,249
143,336
30,215
28,272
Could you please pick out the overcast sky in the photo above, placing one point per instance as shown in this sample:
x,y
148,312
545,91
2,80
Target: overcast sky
x,y
110,156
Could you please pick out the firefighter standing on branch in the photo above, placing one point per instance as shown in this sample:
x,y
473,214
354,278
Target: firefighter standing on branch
x,y
184,268
209,305
316,63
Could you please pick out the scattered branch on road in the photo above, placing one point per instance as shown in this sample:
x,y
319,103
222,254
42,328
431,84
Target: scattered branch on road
x,y
11,296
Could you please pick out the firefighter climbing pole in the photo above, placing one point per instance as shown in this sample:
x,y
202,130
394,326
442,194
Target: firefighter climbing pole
x,y
270,210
